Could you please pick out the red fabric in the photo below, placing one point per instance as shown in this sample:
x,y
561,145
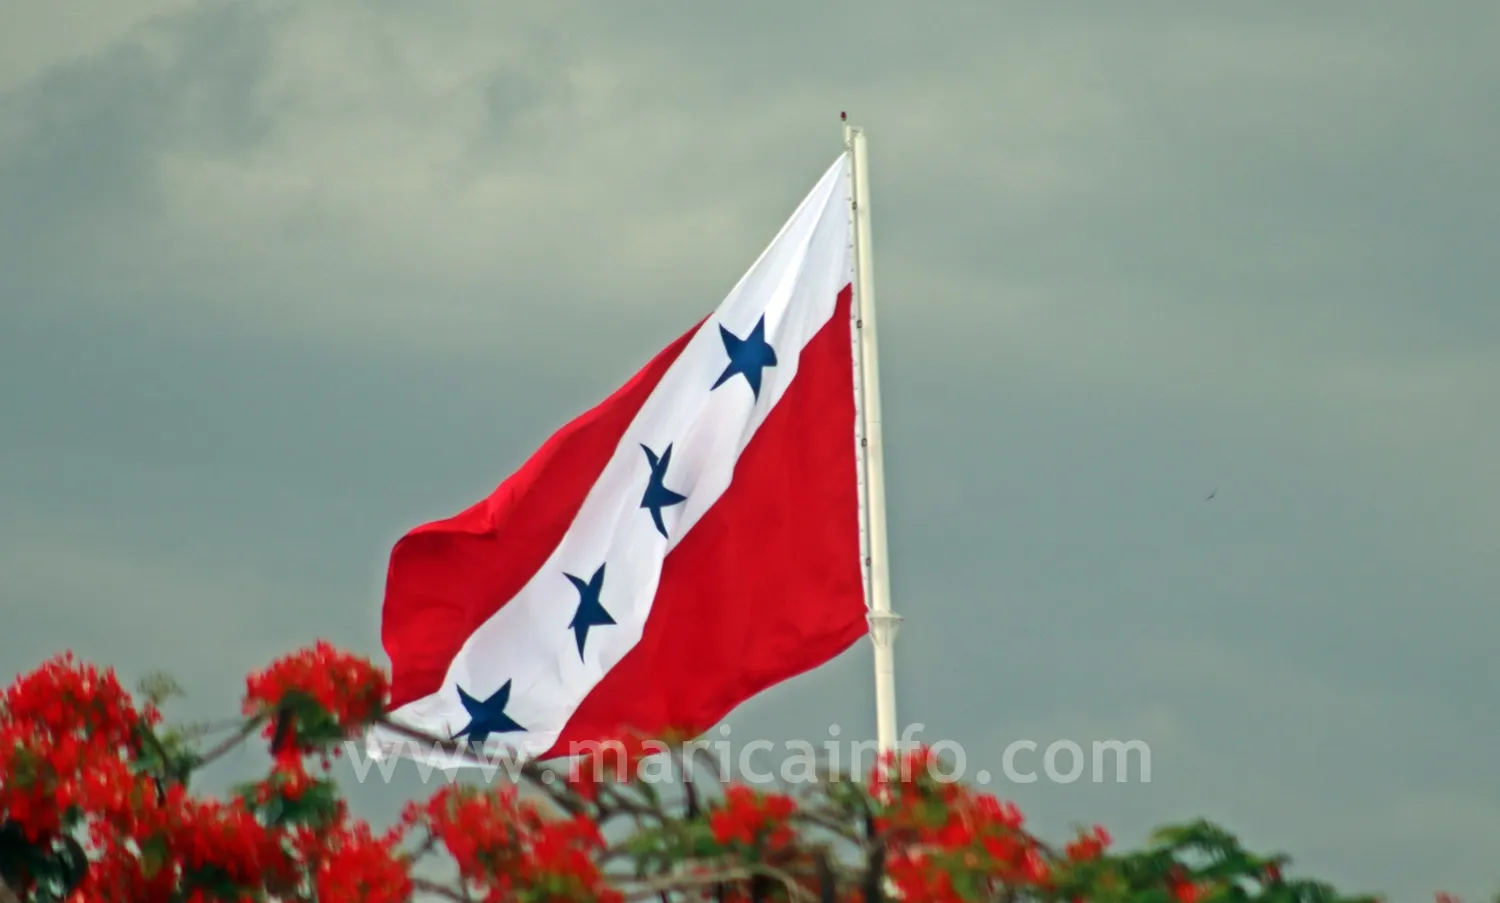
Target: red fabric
x,y
766,585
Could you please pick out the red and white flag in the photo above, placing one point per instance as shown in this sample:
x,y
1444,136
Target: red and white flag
x,y
689,542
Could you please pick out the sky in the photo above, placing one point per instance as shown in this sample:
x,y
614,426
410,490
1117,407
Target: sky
x,y
279,281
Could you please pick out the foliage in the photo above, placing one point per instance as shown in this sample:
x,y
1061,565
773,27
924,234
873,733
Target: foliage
x,y
95,805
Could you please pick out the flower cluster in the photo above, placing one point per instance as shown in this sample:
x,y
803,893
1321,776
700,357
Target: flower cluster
x,y
946,842
503,845
753,821
55,724
81,763
314,697
1088,846
350,862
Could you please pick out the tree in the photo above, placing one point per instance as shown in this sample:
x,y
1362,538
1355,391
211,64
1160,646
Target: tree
x,y
96,805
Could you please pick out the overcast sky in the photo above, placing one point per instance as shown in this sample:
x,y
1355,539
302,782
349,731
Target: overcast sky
x,y
279,281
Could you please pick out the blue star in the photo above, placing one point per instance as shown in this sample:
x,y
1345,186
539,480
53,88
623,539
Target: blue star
x,y
747,356
590,612
658,496
487,717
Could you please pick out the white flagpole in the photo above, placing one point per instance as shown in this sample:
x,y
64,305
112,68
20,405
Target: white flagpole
x,y
883,622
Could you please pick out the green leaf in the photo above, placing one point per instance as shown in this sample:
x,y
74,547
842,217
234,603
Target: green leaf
x,y
968,884
316,806
153,855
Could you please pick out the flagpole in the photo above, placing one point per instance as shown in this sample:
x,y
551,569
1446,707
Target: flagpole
x,y
884,623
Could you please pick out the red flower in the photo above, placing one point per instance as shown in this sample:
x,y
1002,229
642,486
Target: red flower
x,y
1186,892
1088,846
348,687
935,827
749,819
499,841
354,865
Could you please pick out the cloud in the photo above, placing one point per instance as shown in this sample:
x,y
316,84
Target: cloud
x,y
280,280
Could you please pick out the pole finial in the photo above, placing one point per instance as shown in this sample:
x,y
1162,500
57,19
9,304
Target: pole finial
x,y
843,117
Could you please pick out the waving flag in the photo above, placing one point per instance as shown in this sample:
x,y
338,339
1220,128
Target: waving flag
x,y
689,542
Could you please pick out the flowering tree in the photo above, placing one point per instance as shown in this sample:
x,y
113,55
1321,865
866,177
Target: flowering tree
x,y
96,805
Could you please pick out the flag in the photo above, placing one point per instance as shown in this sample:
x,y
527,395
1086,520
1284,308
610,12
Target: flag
x,y
692,540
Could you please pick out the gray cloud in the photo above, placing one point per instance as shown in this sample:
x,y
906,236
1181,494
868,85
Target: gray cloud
x,y
279,281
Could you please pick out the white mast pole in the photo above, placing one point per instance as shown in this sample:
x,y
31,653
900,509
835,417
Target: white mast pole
x,y
883,622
